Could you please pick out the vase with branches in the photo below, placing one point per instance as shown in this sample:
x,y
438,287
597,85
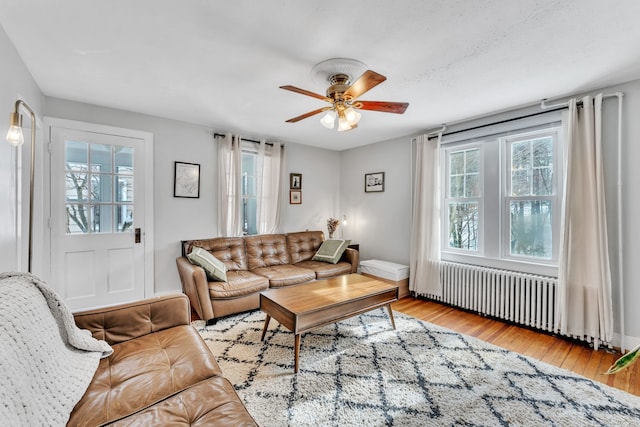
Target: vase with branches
x,y
332,226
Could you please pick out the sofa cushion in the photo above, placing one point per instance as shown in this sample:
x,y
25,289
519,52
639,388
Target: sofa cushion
x,y
215,269
285,275
143,371
210,402
325,270
238,284
331,250
303,245
265,250
229,250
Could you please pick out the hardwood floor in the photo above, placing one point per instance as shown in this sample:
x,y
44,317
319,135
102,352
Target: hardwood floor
x,y
574,356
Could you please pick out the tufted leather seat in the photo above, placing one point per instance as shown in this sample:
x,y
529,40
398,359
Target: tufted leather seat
x,y
161,372
255,263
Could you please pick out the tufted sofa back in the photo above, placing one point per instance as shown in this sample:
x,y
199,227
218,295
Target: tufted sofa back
x,y
303,245
265,250
229,250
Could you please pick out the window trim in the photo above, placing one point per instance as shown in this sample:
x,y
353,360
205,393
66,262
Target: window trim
x,y
492,254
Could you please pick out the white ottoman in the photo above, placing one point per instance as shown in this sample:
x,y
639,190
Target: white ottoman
x,y
389,272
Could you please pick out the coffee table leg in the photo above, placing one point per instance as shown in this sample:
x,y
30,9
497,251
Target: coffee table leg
x,y
393,322
296,354
264,328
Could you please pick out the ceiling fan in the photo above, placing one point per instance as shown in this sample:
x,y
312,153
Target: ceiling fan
x,y
343,95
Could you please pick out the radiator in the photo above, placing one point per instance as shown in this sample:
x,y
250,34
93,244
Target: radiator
x,y
522,298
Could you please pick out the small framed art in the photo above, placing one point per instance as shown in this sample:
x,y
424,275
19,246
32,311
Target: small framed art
x,y
374,182
186,180
295,197
295,181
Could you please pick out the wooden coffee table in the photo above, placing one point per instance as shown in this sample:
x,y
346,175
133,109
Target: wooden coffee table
x,y
304,307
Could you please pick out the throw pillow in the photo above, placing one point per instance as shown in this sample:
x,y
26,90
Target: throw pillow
x,y
331,250
215,269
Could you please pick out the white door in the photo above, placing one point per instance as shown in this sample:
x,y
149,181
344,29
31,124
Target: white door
x,y
97,216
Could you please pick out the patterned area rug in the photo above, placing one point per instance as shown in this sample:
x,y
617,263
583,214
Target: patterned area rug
x,y
360,372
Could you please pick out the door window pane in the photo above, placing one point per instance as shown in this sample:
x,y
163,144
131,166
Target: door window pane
x,y
77,216
124,217
100,158
124,185
76,187
101,188
76,155
101,219
124,160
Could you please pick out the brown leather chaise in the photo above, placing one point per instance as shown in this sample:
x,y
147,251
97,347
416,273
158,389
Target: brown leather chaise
x,y
161,372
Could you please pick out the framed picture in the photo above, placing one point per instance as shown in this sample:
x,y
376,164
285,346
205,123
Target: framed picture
x,y
295,181
295,197
374,182
186,180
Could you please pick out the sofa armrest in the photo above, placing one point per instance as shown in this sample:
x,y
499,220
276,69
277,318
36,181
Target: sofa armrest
x,y
127,321
196,286
351,256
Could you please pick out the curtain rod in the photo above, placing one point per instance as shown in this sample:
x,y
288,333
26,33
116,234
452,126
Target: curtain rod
x,y
513,119
215,135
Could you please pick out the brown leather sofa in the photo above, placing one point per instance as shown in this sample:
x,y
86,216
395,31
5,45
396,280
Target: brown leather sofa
x,y
254,264
161,372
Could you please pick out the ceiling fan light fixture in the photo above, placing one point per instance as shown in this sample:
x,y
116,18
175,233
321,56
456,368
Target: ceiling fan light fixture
x,y
329,119
343,124
343,94
353,116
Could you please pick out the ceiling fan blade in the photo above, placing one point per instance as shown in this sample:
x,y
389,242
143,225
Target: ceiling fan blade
x,y
305,92
309,114
384,106
368,80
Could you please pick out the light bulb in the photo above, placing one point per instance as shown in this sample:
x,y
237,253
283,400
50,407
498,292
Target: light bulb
x,y
329,119
343,124
14,136
352,115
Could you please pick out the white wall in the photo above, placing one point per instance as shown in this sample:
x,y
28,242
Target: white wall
x,y
321,188
379,222
16,82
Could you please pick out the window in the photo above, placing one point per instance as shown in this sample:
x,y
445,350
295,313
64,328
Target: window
x,y
99,188
463,198
530,196
501,200
249,189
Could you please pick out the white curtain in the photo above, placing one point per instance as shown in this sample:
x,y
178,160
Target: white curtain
x,y
269,194
584,302
229,185
425,222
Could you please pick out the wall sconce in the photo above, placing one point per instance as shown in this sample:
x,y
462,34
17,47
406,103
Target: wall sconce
x,y
344,224
16,138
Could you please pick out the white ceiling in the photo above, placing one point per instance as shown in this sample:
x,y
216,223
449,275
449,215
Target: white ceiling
x,y
220,63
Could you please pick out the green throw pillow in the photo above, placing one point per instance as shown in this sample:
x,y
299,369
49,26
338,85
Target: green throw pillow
x,y
215,269
331,250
